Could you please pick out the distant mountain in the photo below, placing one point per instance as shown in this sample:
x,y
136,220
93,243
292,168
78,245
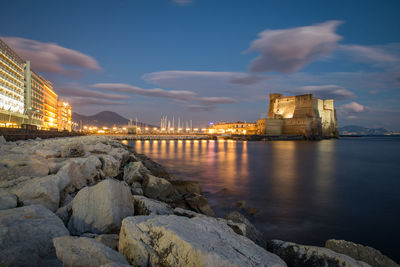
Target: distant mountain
x,y
359,130
103,118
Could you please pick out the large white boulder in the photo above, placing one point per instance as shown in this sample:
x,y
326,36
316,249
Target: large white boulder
x,y
83,172
14,165
110,166
120,154
157,188
85,252
26,235
300,255
179,241
100,208
43,190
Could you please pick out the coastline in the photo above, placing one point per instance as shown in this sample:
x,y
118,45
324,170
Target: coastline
x,y
65,179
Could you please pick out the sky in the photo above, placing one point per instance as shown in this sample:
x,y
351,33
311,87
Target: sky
x,y
207,60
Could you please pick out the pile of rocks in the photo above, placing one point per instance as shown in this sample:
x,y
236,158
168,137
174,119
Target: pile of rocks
x,y
92,201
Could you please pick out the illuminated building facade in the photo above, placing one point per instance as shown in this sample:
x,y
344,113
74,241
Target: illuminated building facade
x,y
27,98
261,128
12,111
50,106
243,128
301,115
34,97
64,116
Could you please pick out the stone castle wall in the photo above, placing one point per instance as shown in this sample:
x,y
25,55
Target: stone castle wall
x,y
301,115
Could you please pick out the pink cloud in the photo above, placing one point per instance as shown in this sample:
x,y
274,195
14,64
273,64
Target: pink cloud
x,y
289,50
50,57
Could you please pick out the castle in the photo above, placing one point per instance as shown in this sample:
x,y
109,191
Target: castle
x,y
301,115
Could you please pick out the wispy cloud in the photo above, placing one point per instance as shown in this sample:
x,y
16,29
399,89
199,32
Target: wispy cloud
x,y
52,58
325,92
289,50
180,96
78,91
77,101
171,76
376,55
183,2
216,100
154,92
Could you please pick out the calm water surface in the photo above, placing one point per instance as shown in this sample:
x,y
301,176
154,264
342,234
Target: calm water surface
x,y
306,192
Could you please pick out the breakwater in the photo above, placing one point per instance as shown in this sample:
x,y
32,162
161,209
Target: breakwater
x,y
92,201
14,134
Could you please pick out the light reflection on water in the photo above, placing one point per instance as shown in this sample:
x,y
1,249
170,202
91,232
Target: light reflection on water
x,y
306,192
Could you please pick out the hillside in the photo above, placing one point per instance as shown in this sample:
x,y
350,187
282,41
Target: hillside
x,y
103,118
359,130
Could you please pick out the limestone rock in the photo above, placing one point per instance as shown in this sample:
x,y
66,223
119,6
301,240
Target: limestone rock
x,y
98,148
155,168
135,172
147,206
73,171
85,252
137,189
110,165
7,200
157,188
46,153
239,228
101,208
64,213
73,150
90,167
83,172
179,241
120,154
251,231
14,165
109,240
199,204
184,187
26,235
300,255
44,190
359,252
3,141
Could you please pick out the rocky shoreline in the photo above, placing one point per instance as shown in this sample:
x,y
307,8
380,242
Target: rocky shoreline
x,y
92,201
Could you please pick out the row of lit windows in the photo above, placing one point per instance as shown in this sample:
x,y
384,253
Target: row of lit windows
x,y
19,76
5,90
11,60
16,87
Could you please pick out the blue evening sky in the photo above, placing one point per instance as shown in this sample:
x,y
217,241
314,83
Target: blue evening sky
x,y
205,60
